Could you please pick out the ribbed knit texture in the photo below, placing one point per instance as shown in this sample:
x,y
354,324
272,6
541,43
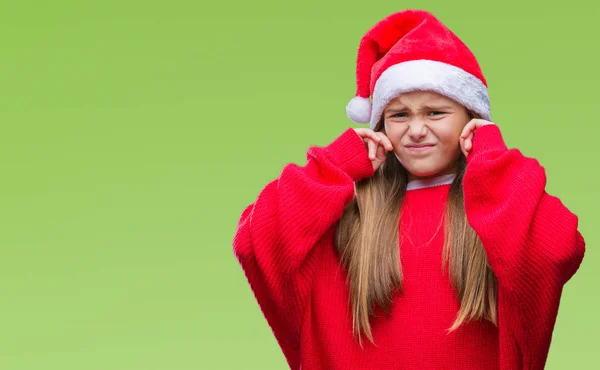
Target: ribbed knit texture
x,y
285,245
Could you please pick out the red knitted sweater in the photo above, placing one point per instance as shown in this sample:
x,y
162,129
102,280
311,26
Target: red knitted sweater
x,y
285,245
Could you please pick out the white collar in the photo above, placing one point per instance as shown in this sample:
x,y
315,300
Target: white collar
x,y
430,182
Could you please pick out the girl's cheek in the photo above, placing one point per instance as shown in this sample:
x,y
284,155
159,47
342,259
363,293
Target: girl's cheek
x,y
394,133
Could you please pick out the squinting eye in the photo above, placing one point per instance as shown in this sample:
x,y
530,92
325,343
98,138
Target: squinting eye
x,y
398,115
438,112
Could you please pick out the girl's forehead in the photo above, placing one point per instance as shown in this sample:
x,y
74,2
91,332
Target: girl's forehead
x,y
421,97
420,101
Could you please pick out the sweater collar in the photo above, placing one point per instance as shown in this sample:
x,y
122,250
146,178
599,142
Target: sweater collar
x,y
431,182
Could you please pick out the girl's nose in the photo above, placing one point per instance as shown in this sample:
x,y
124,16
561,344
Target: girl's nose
x,y
416,129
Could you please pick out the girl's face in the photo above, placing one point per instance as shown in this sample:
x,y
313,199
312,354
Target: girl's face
x,y
424,128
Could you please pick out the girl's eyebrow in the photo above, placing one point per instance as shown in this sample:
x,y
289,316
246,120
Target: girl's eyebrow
x,y
424,108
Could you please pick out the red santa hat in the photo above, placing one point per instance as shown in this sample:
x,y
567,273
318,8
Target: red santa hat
x,y
412,50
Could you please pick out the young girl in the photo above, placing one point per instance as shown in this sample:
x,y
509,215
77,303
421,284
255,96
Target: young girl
x,y
422,242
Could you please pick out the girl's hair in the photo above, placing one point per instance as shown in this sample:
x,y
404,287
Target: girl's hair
x,y
367,242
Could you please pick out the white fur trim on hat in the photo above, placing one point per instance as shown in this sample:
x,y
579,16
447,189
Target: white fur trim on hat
x,y
359,109
429,75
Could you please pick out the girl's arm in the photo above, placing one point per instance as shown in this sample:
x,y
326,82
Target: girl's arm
x,y
276,234
531,238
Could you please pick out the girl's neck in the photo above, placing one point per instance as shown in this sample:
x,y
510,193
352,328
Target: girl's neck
x,y
431,181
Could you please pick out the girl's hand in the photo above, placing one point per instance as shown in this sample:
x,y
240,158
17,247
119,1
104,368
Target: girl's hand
x,y
466,137
376,143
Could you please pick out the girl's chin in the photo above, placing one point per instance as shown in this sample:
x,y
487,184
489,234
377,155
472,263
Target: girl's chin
x,y
420,173
419,167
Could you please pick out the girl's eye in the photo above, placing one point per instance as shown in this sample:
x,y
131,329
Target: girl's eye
x,y
402,115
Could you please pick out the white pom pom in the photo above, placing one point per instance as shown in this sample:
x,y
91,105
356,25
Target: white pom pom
x,y
359,109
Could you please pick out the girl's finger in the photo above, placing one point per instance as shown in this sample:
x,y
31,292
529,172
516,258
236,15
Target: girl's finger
x,y
385,141
467,129
367,134
367,138
462,145
465,132
470,141
372,149
373,135
482,122
380,153
388,144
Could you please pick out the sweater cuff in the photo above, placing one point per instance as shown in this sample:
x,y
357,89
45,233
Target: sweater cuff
x,y
348,152
487,138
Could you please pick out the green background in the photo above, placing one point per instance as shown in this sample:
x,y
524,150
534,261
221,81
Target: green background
x,y
135,132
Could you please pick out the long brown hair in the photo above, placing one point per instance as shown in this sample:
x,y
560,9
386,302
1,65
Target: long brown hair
x,y
368,245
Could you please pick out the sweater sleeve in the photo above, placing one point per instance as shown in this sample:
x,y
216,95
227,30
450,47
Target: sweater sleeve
x,y
276,234
531,239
